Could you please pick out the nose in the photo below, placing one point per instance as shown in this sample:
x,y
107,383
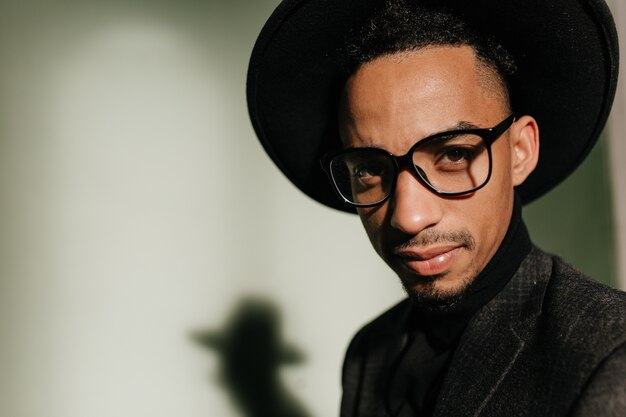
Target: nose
x,y
413,207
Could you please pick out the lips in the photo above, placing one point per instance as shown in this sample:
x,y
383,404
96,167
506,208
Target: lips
x,y
431,261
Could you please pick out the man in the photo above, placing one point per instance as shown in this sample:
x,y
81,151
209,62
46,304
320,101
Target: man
x,y
426,116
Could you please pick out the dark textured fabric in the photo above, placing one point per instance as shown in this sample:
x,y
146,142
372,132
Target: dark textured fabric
x,y
418,375
414,388
552,343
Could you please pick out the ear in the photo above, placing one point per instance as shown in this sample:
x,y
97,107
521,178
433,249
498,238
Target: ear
x,y
524,148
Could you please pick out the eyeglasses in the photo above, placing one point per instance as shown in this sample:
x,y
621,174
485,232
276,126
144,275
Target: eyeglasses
x,y
449,163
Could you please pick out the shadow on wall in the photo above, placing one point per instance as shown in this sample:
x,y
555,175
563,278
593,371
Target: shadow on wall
x,y
251,352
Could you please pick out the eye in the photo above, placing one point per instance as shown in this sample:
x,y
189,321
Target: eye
x,y
457,154
363,171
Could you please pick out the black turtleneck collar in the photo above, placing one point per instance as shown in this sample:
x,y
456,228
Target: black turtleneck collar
x,y
419,373
515,246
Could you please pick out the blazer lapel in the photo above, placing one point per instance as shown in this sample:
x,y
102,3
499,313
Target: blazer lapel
x,y
380,365
477,368
366,384
493,341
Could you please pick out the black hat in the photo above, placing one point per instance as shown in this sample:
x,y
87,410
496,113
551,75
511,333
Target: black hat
x,y
566,52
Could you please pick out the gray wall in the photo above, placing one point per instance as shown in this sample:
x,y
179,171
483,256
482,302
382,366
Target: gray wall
x,y
142,223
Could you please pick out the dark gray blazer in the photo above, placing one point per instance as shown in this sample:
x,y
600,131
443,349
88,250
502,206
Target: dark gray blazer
x,y
551,343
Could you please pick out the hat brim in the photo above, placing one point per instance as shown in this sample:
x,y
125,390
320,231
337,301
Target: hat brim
x,y
566,52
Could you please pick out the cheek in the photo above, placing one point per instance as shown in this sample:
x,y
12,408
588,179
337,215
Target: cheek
x,y
491,212
373,220
486,214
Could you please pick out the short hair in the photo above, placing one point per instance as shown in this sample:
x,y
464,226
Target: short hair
x,y
403,26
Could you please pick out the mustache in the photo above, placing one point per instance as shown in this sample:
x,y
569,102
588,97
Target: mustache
x,y
433,237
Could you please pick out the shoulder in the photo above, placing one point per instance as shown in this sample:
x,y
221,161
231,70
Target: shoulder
x,y
581,322
574,285
585,322
370,345
388,323
582,305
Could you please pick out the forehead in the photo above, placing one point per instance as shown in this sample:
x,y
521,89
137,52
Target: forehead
x,y
399,98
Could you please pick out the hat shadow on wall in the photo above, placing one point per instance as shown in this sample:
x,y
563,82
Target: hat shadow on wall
x,y
251,352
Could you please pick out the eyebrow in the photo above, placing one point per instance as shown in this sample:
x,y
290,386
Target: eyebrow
x,y
462,125
459,126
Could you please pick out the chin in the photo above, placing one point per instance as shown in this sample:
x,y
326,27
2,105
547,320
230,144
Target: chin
x,y
431,295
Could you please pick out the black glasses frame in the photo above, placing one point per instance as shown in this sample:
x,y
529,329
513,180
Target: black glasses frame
x,y
488,135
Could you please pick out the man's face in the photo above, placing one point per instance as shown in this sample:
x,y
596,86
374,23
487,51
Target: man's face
x,y
437,245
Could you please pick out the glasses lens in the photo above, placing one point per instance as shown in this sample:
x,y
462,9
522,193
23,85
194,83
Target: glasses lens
x,y
455,164
364,176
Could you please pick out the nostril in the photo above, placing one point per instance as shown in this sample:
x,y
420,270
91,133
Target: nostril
x,y
413,207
